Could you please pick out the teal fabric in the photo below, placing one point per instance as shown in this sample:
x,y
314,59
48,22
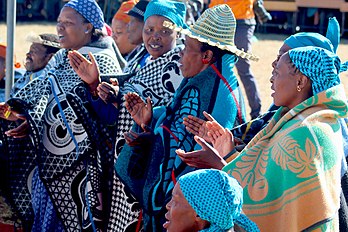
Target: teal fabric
x,y
319,65
90,10
172,10
330,42
217,198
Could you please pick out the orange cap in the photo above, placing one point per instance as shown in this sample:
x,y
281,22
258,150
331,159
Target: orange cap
x,y
122,13
2,50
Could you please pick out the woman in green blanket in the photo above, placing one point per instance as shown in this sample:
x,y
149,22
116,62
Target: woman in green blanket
x,y
291,170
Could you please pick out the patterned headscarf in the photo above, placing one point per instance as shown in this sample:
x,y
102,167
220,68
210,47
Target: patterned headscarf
x,y
217,198
330,42
90,10
319,65
122,13
174,11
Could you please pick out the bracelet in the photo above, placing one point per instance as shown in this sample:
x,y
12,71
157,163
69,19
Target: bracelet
x,y
7,113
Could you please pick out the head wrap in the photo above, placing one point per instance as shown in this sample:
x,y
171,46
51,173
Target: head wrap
x,y
122,13
90,10
174,11
138,10
3,50
319,65
330,42
217,198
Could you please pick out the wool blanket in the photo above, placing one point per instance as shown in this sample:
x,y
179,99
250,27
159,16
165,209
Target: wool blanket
x,y
71,148
151,169
291,170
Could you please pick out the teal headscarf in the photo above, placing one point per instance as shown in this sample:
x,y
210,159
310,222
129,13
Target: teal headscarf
x,y
330,42
321,66
217,198
172,10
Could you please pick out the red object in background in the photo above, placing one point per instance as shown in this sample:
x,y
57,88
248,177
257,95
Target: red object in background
x,y
9,228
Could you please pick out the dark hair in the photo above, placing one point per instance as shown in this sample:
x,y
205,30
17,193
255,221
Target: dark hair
x,y
293,69
96,33
217,53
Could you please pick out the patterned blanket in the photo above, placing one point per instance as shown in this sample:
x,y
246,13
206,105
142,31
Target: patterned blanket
x,y
291,170
70,147
150,170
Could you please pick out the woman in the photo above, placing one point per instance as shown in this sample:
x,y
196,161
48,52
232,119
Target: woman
x,y
149,166
66,135
119,26
158,78
207,200
294,164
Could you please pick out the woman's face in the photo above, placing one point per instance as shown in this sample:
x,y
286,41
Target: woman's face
x,y
135,30
120,35
282,50
158,39
284,83
72,29
180,216
191,58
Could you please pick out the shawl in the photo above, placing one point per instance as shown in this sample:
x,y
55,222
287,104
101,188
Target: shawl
x,y
293,165
66,140
150,171
158,79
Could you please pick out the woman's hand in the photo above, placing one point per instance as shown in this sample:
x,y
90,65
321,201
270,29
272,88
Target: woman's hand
x,y
208,157
19,132
87,70
135,139
140,112
109,92
222,138
198,126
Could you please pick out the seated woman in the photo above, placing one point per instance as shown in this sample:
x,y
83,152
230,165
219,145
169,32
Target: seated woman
x,y
159,78
294,164
56,174
149,166
207,200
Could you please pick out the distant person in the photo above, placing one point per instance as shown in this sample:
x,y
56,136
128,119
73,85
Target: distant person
x,y
243,11
119,26
17,73
43,47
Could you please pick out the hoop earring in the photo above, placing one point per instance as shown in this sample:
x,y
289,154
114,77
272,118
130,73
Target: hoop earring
x,y
86,31
298,89
205,61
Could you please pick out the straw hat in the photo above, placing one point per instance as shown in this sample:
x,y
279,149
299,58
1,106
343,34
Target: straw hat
x,y
216,27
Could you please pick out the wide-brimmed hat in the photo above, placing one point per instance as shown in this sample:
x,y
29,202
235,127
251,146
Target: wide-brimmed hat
x,y
216,27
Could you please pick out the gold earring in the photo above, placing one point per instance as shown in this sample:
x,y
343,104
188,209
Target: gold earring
x,y
298,89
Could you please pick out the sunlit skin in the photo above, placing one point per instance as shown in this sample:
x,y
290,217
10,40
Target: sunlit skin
x,y
191,58
37,57
158,39
135,30
73,31
181,217
120,36
285,84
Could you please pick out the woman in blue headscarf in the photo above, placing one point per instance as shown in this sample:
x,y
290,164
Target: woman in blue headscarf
x,y
56,165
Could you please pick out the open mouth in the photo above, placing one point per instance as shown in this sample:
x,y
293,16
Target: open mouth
x,y
154,46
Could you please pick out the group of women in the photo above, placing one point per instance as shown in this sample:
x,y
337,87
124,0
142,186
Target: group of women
x,y
116,152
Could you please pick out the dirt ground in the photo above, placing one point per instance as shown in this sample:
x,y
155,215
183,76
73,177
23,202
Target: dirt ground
x,y
265,46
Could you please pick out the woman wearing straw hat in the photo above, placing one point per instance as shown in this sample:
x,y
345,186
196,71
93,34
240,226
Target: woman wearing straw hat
x,y
148,164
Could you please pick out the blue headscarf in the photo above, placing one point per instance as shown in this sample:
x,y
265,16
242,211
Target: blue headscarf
x,y
330,42
174,11
90,10
217,198
319,65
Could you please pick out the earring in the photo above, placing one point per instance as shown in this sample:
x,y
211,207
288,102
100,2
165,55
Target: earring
x,y
298,89
205,61
86,31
